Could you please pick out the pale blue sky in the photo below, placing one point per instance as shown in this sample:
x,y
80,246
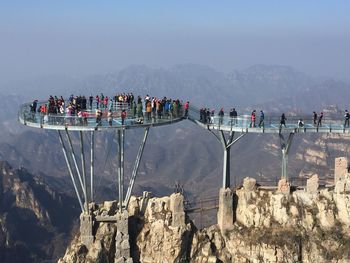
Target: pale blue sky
x,y
77,38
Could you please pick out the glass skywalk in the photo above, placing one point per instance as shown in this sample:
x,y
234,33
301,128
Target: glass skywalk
x,y
89,120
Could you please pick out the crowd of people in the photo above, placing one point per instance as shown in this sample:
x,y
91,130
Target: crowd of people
x,y
121,105
208,116
126,105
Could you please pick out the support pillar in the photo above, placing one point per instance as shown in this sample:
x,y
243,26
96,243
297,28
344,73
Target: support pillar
x,y
122,164
177,210
136,167
92,157
64,150
285,146
86,219
122,249
121,168
284,173
76,167
225,213
86,228
83,168
226,168
226,144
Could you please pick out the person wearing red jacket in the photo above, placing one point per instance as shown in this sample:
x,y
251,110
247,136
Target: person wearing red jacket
x,y
252,119
187,106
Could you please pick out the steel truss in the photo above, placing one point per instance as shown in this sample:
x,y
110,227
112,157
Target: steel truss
x,y
78,173
226,144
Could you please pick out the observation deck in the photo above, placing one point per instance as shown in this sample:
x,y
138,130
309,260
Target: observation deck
x,y
89,122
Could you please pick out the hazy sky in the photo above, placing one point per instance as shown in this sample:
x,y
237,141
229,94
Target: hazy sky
x,y
77,38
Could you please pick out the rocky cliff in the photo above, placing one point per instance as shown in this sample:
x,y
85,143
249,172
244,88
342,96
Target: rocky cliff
x,y
269,225
35,220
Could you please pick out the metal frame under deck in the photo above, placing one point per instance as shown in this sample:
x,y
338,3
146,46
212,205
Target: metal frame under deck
x,y
78,174
226,144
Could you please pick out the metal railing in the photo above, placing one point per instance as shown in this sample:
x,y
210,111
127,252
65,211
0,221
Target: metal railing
x,y
245,122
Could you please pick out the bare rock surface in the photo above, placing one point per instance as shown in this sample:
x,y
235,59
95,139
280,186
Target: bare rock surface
x,y
269,226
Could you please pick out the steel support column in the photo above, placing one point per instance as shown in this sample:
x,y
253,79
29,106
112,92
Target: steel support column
x,y
120,167
70,170
122,163
75,163
136,167
226,178
284,173
92,157
83,170
285,146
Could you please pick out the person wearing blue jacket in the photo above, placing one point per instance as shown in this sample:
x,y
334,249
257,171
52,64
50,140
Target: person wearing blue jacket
x,y
261,120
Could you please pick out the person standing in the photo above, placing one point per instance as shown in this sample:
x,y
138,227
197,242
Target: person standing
x,y
346,119
91,98
33,106
110,117
234,113
319,123
231,116
283,120
252,119
148,110
221,116
97,98
261,120
231,113
187,106
300,123
98,117
314,115
123,115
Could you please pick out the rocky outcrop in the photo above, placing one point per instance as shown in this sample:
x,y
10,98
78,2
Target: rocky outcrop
x,y
158,230
269,225
275,227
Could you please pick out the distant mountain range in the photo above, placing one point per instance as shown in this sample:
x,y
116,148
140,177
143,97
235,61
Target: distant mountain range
x,y
200,84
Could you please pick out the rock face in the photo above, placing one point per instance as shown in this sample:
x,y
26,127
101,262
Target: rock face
x,y
35,220
340,168
283,186
268,225
158,230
